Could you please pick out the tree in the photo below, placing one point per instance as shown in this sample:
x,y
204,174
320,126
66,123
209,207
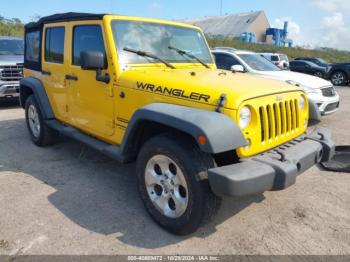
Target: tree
x,y
11,27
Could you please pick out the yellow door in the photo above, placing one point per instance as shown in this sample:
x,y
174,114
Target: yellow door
x,y
90,101
54,66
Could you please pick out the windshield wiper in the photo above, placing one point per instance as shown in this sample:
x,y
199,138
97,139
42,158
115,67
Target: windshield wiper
x,y
145,54
184,53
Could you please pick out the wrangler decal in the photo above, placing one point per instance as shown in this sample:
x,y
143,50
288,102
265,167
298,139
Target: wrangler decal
x,y
173,92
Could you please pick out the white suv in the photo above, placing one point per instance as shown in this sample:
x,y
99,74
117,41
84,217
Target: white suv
x,y
322,92
280,60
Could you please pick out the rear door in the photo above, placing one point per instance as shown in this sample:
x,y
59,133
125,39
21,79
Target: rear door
x,y
54,67
91,105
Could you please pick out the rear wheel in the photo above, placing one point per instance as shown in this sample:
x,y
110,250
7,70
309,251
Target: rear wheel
x,y
338,78
39,132
173,183
318,74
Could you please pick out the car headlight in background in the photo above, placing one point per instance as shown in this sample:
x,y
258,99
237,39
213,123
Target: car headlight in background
x,y
302,103
245,117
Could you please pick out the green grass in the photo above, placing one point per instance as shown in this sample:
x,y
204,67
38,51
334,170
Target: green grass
x,y
328,54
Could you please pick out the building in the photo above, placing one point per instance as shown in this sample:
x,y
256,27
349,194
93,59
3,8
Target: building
x,y
234,25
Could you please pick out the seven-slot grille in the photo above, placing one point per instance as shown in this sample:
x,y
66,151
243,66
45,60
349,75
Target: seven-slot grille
x,y
11,73
279,119
328,91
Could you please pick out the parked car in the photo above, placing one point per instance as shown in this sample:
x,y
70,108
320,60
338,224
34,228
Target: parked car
x,y
339,74
280,60
309,68
319,90
191,128
11,66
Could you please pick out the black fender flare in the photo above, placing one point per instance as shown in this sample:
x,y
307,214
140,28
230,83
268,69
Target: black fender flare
x,y
221,131
37,88
314,112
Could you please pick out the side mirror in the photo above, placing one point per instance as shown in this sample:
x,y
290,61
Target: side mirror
x,y
95,61
237,69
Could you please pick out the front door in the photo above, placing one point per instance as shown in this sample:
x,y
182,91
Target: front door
x,y
90,101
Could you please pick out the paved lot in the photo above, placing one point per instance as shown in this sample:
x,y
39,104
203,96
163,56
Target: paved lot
x,y
68,199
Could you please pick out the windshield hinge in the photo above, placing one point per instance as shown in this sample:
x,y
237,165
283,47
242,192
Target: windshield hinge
x,y
221,103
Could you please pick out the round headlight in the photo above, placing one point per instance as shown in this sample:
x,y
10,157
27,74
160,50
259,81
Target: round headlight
x,y
245,116
302,102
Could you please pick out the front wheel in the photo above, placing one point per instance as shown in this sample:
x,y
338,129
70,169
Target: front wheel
x,y
39,132
173,183
338,79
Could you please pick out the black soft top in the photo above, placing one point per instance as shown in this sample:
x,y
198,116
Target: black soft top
x,y
62,18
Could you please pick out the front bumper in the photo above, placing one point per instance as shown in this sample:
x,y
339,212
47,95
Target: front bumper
x,y
326,105
9,89
273,170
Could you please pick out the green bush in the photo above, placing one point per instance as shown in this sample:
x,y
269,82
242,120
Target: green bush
x,y
328,54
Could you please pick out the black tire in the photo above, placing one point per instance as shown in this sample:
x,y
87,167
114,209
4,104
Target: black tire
x,y
202,203
46,136
339,78
318,74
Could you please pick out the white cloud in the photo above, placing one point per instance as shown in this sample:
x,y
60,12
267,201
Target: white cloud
x,y
332,5
335,33
334,22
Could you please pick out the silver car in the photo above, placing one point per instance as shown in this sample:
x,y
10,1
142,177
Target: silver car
x,y
11,65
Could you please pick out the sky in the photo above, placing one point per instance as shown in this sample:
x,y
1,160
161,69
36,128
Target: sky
x,y
312,22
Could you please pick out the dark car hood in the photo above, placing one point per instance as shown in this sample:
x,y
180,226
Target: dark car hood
x,y
11,59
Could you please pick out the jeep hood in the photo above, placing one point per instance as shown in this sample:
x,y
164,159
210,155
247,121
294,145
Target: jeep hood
x,y
309,81
10,59
210,83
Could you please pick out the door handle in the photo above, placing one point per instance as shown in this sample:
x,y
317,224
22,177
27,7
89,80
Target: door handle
x,y
46,73
71,77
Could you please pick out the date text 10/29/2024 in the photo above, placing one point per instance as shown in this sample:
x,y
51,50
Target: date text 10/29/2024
x,y
173,258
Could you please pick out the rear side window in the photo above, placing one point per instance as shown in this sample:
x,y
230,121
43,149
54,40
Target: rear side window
x,y
275,58
87,38
54,45
295,63
33,46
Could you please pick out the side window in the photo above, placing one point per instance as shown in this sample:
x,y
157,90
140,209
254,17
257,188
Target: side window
x,y
275,58
87,38
54,45
33,46
225,61
296,63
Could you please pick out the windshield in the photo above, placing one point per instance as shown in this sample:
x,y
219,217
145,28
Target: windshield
x,y
11,47
155,39
321,62
258,62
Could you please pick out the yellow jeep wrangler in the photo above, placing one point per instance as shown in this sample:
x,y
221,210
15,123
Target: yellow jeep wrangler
x,y
148,90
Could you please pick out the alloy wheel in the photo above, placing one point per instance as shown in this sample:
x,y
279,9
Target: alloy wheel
x,y
166,186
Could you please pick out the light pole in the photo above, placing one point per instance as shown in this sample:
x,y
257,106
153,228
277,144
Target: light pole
x,y
220,7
